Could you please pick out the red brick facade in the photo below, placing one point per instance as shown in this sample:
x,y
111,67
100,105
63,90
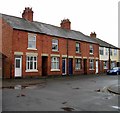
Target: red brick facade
x,y
15,42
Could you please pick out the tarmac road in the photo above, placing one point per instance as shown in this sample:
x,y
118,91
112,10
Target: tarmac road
x,y
79,93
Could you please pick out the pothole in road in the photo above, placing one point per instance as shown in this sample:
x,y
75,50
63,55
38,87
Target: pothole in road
x,y
29,86
76,88
68,109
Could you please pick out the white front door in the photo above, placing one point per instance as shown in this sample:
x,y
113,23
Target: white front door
x,y
96,66
18,66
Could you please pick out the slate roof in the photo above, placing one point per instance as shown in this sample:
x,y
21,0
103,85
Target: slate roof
x,y
39,27
104,44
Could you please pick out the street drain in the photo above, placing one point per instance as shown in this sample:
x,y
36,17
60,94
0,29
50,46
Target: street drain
x,y
68,109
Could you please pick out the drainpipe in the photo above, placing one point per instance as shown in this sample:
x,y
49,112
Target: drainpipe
x,y
109,60
67,58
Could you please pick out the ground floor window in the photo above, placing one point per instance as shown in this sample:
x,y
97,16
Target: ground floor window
x,y
78,64
113,64
91,63
105,63
31,63
55,63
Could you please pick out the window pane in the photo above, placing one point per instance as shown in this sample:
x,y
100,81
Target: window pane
x,y
28,65
31,42
35,65
17,63
31,65
54,44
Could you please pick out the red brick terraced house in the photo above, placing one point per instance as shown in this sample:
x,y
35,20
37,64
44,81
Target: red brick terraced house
x,y
36,49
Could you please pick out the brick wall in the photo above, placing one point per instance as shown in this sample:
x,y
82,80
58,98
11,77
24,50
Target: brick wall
x,y
7,48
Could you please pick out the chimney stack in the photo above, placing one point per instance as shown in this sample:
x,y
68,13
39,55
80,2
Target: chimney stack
x,y
66,24
93,35
28,14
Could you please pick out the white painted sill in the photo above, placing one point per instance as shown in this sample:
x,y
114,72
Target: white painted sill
x,y
91,53
55,70
31,71
55,50
91,69
31,49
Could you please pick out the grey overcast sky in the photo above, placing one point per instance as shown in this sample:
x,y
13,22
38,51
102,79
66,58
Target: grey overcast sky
x,y
86,16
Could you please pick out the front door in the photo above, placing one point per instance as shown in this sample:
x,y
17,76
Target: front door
x,y
96,66
44,65
18,66
70,66
85,66
64,66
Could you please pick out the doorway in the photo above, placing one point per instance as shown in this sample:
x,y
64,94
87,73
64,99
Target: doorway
x,y
18,66
64,66
85,66
44,65
96,66
70,66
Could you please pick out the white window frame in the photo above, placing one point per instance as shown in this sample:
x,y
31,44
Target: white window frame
x,y
91,64
32,40
78,64
77,47
105,64
106,51
101,51
91,49
115,52
55,64
28,63
55,43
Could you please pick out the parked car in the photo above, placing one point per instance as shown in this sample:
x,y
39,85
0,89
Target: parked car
x,y
114,71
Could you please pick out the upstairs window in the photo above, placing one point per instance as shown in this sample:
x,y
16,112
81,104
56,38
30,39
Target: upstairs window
x,y
115,52
106,51
77,47
54,45
91,49
31,42
101,51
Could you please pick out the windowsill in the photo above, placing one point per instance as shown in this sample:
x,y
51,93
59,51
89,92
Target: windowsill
x,y
105,68
55,51
78,52
55,70
78,69
31,71
31,48
91,69
91,53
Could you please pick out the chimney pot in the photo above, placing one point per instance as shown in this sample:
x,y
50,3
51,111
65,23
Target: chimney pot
x,y
66,24
28,14
93,35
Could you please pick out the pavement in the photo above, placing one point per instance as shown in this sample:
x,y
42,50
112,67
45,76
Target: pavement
x,y
115,88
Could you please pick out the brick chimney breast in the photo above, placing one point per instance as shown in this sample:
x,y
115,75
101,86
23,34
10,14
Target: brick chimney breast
x,y
66,24
93,35
28,14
